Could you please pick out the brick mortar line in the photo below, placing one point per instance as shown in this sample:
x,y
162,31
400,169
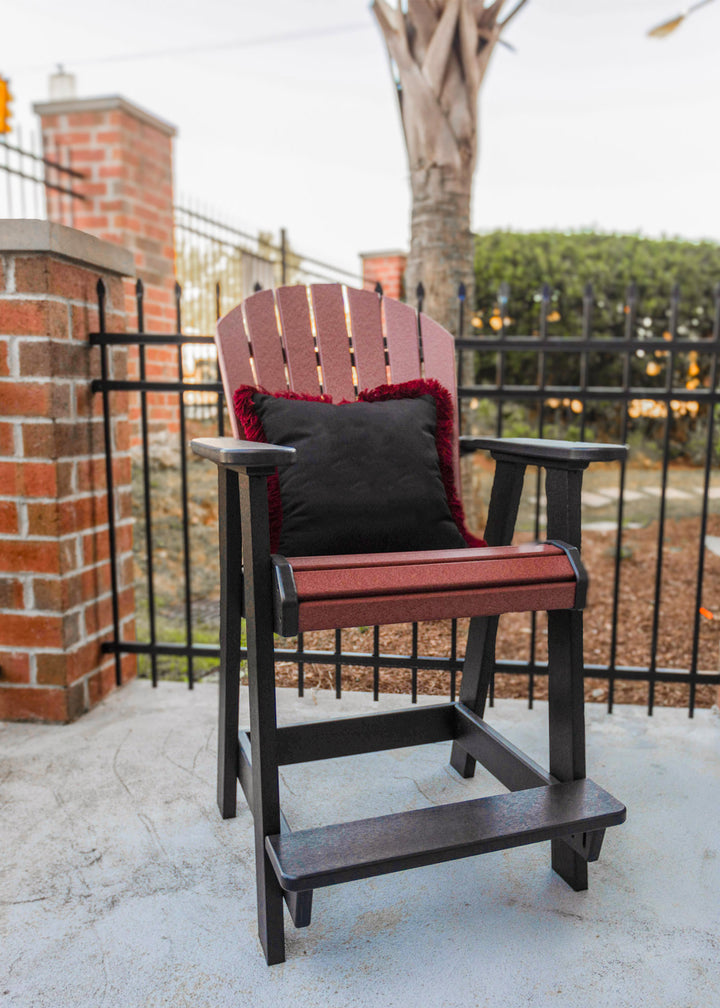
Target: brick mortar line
x,y
67,537
87,639
35,651
79,608
47,298
75,499
44,460
76,495
55,686
9,262
51,576
62,458
61,539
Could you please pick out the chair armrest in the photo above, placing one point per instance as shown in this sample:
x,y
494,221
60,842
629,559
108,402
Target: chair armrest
x,y
247,455
565,462
540,451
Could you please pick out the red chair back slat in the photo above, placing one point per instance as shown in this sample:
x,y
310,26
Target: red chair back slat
x,y
298,339
333,341
402,341
367,338
233,358
439,362
253,348
265,341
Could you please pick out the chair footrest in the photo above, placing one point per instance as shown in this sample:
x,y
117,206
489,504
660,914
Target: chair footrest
x,y
309,859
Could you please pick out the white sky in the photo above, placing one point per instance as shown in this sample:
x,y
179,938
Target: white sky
x,y
589,124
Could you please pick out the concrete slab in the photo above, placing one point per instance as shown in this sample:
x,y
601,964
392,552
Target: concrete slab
x,y
121,885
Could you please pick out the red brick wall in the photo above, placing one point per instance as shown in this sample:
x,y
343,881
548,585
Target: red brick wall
x,y
386,268
55,584
125,154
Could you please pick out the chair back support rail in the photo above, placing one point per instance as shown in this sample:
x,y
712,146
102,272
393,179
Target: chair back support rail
x,y
330,340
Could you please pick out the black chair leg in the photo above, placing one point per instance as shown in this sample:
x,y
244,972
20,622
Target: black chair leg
x,y
230,640
566,710
263,714
270,904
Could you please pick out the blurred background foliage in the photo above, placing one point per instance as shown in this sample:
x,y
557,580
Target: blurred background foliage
x,y
607,287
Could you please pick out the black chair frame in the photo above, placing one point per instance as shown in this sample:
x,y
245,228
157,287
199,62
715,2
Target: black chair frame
x,y
560,804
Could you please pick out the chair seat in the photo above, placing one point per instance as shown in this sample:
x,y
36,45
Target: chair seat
x,y
327,592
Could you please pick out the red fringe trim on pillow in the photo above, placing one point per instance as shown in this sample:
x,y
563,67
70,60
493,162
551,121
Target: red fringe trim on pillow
x,y
253,430
444,430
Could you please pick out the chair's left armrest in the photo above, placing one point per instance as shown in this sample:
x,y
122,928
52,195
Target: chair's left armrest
x,y
541,451
243,455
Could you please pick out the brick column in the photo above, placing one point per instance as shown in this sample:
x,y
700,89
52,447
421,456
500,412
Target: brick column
x,y
126,156
55,582
386,268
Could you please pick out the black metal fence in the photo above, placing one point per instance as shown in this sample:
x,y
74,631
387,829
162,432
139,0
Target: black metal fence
x,y
218,264
659,393
32,178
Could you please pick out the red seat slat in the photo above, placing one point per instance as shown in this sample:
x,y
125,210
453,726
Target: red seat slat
x,y
327,614
424,556
355,581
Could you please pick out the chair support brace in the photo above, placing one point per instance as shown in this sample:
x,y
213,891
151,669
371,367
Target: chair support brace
x,y
442,722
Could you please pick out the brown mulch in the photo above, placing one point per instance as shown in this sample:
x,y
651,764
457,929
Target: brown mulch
x,y
634,634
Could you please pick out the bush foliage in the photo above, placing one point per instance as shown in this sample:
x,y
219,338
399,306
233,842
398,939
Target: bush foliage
x,y
610,263
606,286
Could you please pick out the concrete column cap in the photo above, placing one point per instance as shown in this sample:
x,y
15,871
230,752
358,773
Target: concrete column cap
x,y
104,103
66,243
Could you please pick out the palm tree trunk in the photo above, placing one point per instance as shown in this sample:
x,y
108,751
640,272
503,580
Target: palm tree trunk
x,y
439,52
441,243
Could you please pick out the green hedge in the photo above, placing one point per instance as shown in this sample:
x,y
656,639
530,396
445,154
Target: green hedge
x,y
580,282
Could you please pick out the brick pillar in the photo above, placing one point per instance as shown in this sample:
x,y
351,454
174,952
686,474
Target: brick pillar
x,y
126,156
55,582
386,268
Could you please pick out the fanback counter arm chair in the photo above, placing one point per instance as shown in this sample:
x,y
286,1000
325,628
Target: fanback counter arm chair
x,y
324,340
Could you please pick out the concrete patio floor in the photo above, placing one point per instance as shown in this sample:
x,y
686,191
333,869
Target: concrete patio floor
x,y
122,886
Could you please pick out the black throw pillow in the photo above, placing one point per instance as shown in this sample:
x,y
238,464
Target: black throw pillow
x,y
370,476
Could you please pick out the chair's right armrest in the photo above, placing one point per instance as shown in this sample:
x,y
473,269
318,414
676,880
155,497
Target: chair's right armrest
x,y
247,456
545,452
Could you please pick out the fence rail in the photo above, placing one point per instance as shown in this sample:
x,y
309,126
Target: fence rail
x,y
504,381
32,179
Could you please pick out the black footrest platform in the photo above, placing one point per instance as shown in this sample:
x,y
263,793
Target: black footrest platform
x,y
309,859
